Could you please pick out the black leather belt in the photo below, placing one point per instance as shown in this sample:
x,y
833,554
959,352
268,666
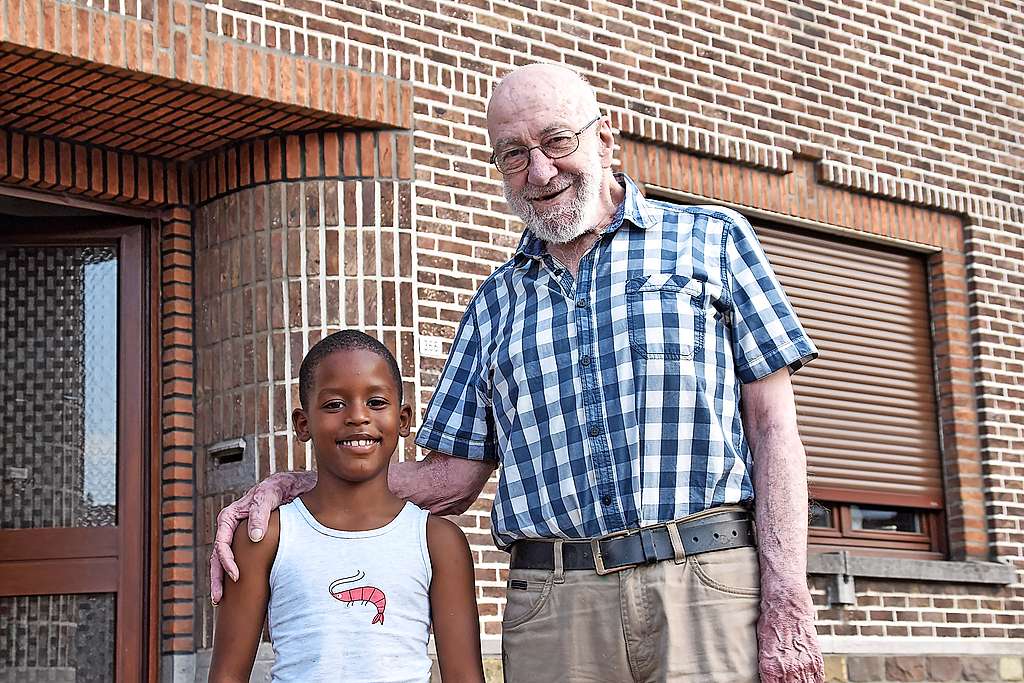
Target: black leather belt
x,y
618,551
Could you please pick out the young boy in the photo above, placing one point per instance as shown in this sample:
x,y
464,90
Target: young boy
x,y
354,576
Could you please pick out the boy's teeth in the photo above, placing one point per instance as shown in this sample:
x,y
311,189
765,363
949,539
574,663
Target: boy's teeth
x,y
359,442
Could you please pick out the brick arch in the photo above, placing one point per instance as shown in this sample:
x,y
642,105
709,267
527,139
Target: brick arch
x,y
126,129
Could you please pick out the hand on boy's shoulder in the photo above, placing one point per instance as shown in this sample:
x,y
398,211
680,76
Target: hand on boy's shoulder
x,y
242,544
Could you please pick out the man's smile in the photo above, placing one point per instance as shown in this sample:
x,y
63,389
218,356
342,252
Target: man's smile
x,y
548,197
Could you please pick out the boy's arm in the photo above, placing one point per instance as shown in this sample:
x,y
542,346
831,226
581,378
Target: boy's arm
x,y
453,603
243,609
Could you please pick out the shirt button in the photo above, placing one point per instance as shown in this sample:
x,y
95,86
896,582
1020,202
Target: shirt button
x,y
582,303
595,431
584,360
606,500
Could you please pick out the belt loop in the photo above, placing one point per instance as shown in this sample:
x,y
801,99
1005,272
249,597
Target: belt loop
x,y
559,562
678,553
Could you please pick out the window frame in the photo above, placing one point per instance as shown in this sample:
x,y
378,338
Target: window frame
x,y
928,544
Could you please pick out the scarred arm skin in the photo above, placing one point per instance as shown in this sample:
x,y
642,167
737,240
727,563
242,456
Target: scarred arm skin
x,y
440,483
788,649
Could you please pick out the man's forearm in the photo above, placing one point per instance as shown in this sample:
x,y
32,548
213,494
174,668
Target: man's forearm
x,y
439,483
780,481
442,484
780,490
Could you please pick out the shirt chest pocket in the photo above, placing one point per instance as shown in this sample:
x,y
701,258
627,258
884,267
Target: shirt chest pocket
x,y
665,315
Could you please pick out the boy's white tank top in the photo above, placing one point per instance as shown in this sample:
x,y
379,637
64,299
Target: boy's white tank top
x,y
350,605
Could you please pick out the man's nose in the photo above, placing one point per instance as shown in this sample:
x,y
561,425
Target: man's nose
x,y
541,169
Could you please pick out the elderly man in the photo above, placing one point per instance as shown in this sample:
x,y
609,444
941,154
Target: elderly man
x,y
628,369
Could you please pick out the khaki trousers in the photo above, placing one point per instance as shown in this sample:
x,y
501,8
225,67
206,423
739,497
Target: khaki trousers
x,y
688,622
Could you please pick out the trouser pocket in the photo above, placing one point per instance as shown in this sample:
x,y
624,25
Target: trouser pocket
x,y
527,592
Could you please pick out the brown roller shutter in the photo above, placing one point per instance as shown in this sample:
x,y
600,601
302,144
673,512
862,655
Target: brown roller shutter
x,y
866,406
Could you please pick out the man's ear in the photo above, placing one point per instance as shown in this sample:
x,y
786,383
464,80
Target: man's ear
x,y
606,140
300,423
405,420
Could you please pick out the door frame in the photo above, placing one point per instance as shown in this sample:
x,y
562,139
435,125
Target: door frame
x,y
104,559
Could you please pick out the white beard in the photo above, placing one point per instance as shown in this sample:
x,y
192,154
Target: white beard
x,y
562,223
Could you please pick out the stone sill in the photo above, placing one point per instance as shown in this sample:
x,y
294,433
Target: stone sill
x,y
842,563
919,646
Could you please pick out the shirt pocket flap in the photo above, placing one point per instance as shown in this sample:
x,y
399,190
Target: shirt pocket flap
x,y
663,282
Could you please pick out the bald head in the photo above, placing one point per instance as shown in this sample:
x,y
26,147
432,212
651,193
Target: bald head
x,y
557,90
535,114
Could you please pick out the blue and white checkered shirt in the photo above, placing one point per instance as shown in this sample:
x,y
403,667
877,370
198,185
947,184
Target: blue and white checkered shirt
x,y
612,401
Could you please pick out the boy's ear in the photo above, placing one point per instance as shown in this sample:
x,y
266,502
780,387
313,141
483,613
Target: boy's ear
x,y
300,423
405,420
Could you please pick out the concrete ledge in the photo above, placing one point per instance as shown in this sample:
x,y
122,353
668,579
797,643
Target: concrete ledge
x,y
909,645
842,563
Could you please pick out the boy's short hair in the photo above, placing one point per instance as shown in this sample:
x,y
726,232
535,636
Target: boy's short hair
x,y
346,340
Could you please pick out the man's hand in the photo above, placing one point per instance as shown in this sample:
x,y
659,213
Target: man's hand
x,y
788,649
256,504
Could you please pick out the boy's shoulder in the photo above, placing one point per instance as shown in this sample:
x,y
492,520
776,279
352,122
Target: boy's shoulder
x,y
442,534
268,544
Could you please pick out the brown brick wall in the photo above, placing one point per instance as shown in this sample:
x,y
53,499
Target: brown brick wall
x,y
90,171
891,119
895,106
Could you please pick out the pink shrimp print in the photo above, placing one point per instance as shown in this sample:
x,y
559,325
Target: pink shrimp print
x,y
363,594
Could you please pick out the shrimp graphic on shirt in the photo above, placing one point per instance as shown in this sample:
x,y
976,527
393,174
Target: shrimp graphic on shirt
x,y
364,594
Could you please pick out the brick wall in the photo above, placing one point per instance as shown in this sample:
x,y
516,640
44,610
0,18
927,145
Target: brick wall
x,y
911,102
913,105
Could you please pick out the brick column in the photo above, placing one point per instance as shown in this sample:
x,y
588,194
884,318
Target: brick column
x,y
296,237
177,491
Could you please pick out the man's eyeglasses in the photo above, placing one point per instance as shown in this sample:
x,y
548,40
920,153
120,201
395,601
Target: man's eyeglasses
x,y
554,146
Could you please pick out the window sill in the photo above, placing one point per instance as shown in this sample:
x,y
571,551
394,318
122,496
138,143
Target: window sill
x,y
842,563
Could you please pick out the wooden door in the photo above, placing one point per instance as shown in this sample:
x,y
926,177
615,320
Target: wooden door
x,y
72,453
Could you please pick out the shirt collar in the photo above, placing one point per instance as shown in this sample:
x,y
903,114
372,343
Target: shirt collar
x,y
633,208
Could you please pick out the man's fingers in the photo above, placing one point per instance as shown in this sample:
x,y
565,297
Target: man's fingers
x,y
226,525
263,503
216,579
222,552
229,518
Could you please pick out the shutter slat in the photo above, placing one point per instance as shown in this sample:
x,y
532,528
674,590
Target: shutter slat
x,y
821,301
866,406
869,289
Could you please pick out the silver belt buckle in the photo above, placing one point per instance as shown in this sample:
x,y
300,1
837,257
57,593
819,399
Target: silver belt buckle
x,y
595,549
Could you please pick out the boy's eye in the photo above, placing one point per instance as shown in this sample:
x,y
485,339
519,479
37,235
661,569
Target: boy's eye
x,y
377,403
333,405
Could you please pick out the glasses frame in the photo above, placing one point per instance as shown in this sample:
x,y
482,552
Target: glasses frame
x,y
529,150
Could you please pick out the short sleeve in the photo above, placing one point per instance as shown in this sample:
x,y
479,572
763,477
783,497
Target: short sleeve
x,y
767,336
459,420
